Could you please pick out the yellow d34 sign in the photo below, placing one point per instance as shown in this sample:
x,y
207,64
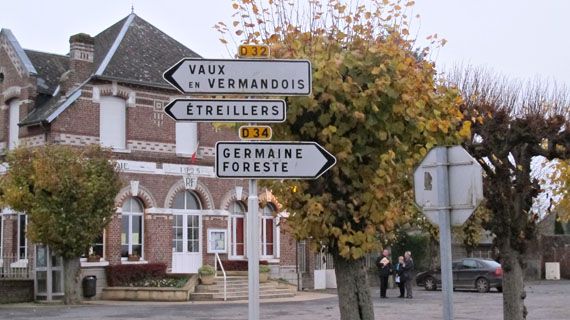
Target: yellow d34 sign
x,y
253,51
255,132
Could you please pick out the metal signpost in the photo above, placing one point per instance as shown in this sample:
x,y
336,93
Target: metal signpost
x,y
251,160
448,187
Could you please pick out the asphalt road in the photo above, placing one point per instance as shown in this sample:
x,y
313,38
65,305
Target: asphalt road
x,y
546,300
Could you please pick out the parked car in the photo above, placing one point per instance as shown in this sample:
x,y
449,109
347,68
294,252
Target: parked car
x,y
468,273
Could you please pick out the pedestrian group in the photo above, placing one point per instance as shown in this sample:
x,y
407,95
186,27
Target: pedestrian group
x,y
402,272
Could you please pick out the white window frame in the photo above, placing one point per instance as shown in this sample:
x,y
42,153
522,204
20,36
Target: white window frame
x,y
212,244
233,231
113,123
263,235
13,129
130,215
19,244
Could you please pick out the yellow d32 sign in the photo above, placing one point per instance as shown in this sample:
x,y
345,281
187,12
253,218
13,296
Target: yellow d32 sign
x,y
255,132
253,51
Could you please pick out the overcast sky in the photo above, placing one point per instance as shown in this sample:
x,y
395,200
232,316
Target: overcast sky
x,y
520,38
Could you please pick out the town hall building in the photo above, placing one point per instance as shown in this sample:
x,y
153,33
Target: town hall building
x,y
109,90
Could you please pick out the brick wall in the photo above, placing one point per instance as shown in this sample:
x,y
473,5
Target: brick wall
x,y
16,291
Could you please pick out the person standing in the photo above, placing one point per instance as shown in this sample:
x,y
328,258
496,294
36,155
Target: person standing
x,y
408,273
399,270
384,269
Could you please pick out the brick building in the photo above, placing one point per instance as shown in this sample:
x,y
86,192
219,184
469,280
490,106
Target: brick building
x,y
109,90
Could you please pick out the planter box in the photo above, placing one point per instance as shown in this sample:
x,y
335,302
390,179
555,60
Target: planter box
x,y
151,294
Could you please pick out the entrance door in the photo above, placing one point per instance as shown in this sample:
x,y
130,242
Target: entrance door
x,y
187,234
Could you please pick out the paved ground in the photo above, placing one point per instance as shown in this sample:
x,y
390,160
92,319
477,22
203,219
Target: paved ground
x,y
546,300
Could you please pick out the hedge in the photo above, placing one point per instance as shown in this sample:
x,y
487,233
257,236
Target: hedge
x,y
125,274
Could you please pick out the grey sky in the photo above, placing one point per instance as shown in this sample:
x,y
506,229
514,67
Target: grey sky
x,y
520,38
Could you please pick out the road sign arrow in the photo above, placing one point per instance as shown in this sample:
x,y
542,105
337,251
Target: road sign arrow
x,y
272,160
227,110
243,76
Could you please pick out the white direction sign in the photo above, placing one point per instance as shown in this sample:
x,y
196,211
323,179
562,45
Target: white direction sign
x,y
243,76
465,177
236,110
272,160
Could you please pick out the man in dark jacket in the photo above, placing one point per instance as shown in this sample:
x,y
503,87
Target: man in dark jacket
x,y
408,273
385,269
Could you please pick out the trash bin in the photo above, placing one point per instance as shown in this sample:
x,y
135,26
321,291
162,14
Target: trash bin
x,y
89,286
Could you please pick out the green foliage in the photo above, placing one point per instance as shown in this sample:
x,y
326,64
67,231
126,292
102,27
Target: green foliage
x,y
67,193
264,268
206,270
417,244
375,105
558,228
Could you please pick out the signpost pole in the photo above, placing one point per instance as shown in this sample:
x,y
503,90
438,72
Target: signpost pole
x,y
445,233
253,251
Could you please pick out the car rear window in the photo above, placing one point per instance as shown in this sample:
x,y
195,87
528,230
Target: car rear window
x,y
491,263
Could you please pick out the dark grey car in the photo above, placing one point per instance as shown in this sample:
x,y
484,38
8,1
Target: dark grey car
x,y
468,273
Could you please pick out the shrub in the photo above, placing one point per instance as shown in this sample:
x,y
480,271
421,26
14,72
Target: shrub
x,y
206,270
126,274
263,268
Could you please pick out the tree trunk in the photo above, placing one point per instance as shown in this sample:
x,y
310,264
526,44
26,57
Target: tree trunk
x,y
71,281
354,299
513,285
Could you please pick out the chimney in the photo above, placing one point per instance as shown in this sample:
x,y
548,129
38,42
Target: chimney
x,y
81,54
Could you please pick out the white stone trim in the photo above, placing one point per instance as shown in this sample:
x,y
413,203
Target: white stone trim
x,y
115,45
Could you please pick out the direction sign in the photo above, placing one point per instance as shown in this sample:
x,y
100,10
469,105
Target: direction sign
x,y
465,178
255,132
236,110
243,76
272,160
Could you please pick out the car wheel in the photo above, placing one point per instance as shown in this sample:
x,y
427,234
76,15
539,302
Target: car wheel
x,y
500,289
482,285
429,284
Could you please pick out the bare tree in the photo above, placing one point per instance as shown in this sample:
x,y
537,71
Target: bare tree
x,y
511,124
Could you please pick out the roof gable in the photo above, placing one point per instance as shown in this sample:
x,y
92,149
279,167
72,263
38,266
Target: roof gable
x,y
49,68
140,52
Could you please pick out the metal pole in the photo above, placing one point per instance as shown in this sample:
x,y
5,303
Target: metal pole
x,y
253,252
445,233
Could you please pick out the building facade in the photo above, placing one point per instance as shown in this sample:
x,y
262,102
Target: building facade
x,y
109,90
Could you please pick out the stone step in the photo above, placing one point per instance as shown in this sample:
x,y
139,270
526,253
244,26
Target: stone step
x,y
262,287
283,293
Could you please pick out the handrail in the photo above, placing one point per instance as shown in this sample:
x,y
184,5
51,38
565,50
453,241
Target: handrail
x,y
223,272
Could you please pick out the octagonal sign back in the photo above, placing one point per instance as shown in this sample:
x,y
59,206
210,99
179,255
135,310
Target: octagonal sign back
x,y
465,178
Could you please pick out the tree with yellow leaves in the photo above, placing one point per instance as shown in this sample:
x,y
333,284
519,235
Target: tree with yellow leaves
x,y
375,105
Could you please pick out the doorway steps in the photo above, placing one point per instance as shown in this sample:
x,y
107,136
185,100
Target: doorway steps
x,y
237,289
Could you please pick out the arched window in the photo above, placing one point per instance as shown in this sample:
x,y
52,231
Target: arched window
x,y
186,227
132,228
237,210
267,233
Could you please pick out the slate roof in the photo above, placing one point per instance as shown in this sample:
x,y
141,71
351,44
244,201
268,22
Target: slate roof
x,y
143,54
131,50
49,67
